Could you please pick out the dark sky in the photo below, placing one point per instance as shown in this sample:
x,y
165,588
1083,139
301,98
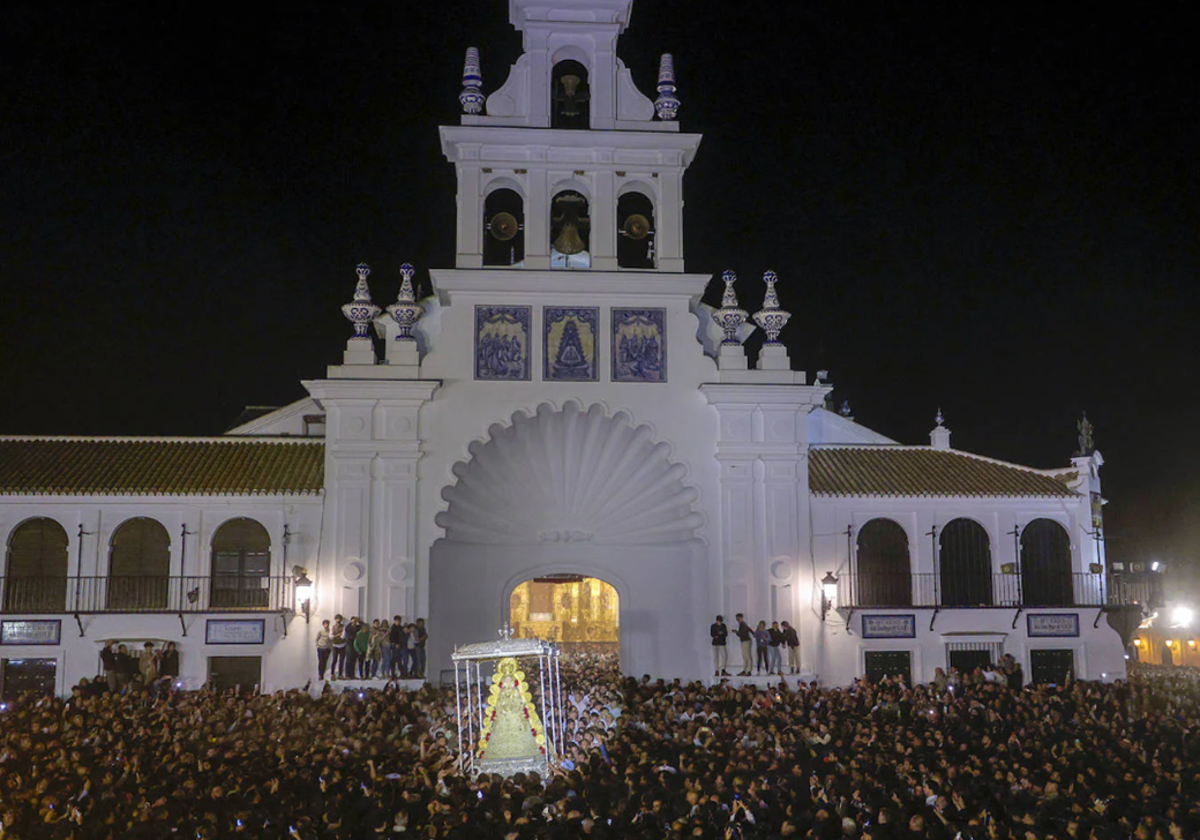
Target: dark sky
x,y
994,209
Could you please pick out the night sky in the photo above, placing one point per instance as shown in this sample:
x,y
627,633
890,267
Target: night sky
x,y
994,209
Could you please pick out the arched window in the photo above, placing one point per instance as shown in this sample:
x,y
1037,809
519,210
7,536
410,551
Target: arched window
x,y
503,228
884,573
139,562
1046,565
965,563
241,565
570,98
35,576
570,231
635,231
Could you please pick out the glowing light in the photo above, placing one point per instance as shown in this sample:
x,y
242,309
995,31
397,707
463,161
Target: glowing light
x,y
1138,643
1182,617
1154,566
1192,644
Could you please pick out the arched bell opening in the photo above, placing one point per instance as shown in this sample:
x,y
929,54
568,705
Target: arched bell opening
x,y
570,98
570,231
580,613
503,228
635,231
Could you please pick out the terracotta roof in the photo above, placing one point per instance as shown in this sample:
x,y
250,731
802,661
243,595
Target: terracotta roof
x,y
920,471
162,466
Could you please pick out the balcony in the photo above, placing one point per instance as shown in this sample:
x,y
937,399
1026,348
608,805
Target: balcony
x,y
152,594
934,590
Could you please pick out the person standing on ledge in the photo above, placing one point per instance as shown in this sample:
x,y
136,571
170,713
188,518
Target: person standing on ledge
x,y
746,637
719,633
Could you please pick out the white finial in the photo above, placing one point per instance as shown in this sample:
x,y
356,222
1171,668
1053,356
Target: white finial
x,y
506,632
405,311
772,317
472,97
939,438
730,316
667,104
845,410
361,311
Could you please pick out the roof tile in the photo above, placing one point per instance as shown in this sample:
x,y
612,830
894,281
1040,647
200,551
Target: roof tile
x,y
172,467
918,471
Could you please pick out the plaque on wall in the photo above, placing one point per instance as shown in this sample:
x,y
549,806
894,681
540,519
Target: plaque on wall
x,y
889,626
569,344
639,345
1050,625
232,631
41,632
502,343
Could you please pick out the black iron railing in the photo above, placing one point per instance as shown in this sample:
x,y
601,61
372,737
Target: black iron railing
x,y
145,594
1042,589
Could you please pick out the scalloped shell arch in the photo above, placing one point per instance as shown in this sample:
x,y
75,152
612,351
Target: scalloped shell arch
x,y
569,476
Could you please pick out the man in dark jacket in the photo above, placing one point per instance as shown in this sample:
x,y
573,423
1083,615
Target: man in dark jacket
x,y
746,637
719,633
108,660
396,644
792,640
351,654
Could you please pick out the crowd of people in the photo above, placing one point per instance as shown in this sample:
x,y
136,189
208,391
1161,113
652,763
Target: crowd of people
x,y
124,670
645,759
356,650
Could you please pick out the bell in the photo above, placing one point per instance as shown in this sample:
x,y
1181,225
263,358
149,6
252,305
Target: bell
x,y
503,226
569,242
636,226
570,91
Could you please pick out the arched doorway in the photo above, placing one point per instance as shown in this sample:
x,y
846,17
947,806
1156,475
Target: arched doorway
x,y
581,613
582,492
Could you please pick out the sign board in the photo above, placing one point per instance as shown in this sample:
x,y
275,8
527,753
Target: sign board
x,y
226,631
889,626
1052,625
44,632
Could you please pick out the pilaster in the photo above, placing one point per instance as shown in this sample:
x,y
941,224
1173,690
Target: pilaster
x,y
373,445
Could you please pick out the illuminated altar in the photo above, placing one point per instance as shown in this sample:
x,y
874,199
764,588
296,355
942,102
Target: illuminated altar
x,y
572,610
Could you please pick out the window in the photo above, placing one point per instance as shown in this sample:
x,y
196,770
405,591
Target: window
x,y
503,228
139,563
896,664
635,231
241,565
965,563
570,98
884,575
36,572
1046,565
570,230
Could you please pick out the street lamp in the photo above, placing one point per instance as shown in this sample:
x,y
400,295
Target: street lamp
x,y
304,591
828,593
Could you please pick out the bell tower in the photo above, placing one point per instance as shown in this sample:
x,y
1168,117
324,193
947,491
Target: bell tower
x,y
567,165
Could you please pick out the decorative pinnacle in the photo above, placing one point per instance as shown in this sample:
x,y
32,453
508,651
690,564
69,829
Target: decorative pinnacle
x,y
939,419
667,104
472,97
361,311
730,316
406,311
845,409
772,318
506,632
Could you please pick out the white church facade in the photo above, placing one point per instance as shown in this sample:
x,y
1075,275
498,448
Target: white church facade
x,y
563,404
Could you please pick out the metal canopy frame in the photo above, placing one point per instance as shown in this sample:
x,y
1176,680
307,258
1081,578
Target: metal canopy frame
x,y
469,700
